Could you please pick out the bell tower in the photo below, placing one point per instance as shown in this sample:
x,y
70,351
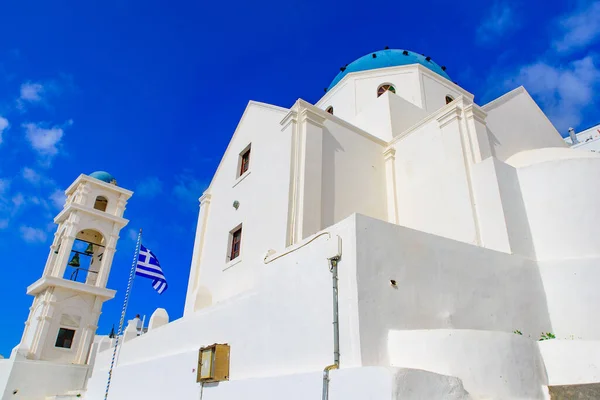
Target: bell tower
x,y
68,299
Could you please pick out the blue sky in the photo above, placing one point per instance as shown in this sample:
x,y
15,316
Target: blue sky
x,y
151,91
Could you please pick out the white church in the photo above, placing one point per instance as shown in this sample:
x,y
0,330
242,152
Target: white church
x,y
393,241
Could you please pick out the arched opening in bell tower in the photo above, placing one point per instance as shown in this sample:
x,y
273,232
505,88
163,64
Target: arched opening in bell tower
x,y
86,257
101,203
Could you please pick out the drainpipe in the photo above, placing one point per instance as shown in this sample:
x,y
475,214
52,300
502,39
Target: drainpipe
x,y
336,328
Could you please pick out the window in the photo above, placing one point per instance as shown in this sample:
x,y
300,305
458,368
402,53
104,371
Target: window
x,y
330,110
65,338
449,99
384,88
236,243
244,161
101,203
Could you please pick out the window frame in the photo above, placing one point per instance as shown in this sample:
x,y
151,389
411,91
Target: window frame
x,y
448,97
232,253
390,87
72,339
244,160
329,110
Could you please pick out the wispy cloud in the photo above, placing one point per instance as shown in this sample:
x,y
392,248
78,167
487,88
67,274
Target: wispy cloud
x,y
3,126
149,187
4,223
578,29
31,92
500,21
45,141
564,92
4,185
33,235
31,176
132,234
188,189
58,199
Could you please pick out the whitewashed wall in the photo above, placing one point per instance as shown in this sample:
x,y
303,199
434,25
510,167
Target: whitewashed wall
x,y
516,123
353,179
263,203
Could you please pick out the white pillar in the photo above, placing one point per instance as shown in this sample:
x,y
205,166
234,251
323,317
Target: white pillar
x,y
390,176
194,278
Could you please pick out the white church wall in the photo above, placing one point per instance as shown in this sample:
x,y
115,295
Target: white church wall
x,y
431,181
573,297
262,193
516,123
388,116
35,380
502,218
5,368
342,99
562,207
435,91
353,177
284,327
571,362
440,283
405,80
494,365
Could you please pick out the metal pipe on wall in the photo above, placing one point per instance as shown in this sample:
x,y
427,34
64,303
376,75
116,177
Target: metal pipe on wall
x,y
336,327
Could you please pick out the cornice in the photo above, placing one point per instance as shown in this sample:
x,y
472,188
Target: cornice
x,y
64,214
449,116
205,199
389,153
472,111
82,178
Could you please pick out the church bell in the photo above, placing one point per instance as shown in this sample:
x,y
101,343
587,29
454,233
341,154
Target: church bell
x,y
74,261
90,250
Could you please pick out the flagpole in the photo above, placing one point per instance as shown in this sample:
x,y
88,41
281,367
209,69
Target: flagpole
x,y
125,303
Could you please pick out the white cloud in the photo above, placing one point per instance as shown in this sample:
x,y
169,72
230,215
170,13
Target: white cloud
x,y
58,198
579,29
31,176
18,200
3,126
3,223
33,235
564,92
4,185
132,234
43,140
31,92
188,189
500,21
149,187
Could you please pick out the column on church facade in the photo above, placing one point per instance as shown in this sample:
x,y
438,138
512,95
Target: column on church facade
x,y
194,279
460,200
306,128
389,156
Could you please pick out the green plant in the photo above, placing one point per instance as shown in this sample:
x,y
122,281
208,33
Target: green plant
x,y
517,332
547,336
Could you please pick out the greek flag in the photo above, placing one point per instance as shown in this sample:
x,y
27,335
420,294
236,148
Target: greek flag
x,y
149,267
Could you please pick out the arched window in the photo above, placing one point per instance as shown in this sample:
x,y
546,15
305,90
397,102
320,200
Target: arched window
x,y
384,88
101,203
329,110
449,99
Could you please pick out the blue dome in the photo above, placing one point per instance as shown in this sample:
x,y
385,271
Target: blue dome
x,y
103,176
388,58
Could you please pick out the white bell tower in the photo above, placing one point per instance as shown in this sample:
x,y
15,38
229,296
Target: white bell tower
x,y
63,319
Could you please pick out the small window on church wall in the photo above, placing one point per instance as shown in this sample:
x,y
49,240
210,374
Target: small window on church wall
x,y
65,338
236,243
330,110
449,99
101,203
244,161
384,88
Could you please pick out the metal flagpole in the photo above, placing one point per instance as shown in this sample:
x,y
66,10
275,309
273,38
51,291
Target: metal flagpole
x,y
125,302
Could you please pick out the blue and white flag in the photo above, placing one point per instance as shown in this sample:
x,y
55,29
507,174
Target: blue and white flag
x,y
149,267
